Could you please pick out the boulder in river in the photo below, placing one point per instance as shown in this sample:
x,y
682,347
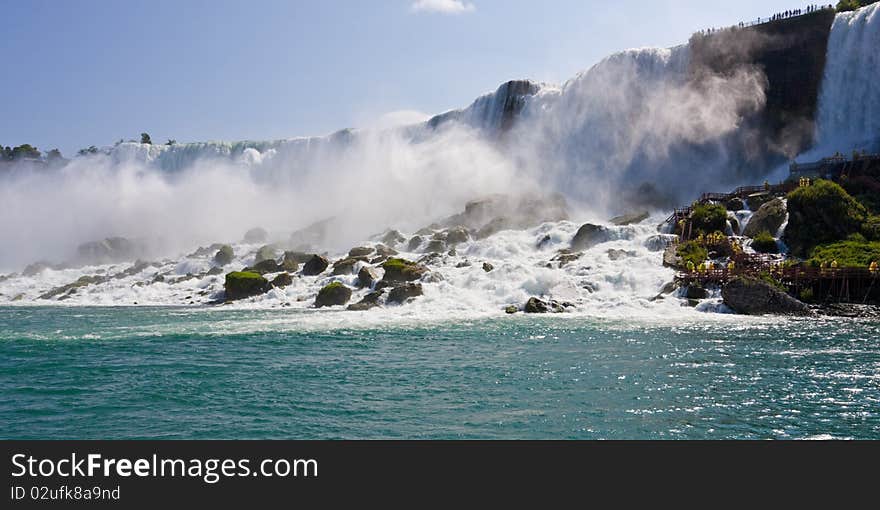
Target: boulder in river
x,y
750,296
369,301
360,251
589,235
265,267
536,305
404,292
282,280
402,270
315,265
243,284
333,294
629,219
224,255
768,218
267,252
367,276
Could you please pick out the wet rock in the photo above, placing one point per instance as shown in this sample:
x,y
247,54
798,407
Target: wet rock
x,y
404,292
431,258
315,265
493,227
695,292
754,297
457,235
589,235
224,255
756,200
414,243
345,266
214,271
282,280
265,267
535,305
385,251
367,276
616,255
392,238
544,242
487,267
244,284
70,288
629,219
463,263
671,258
452,253
435,246
35,268
256,235
360,251
369,301
565,257
292,260
267,252
768,218
334,294
402,270
735,204
510,310
659,242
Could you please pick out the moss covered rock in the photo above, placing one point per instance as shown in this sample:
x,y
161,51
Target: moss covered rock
x,y
765,243
243,284
402,270
334,294
820,214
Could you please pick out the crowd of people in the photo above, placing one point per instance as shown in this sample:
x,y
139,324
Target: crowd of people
x,y
776,17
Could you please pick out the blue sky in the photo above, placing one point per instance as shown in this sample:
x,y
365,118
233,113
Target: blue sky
x,y
92,71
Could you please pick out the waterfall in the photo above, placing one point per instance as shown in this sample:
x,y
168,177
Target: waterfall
x,y
849,104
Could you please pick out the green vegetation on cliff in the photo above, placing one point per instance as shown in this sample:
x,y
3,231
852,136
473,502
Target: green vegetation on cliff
x,y
852,253
692,251
820,214
764,243
708,218
851,5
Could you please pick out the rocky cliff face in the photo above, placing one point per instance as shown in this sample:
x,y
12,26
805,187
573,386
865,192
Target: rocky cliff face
x,y
791,55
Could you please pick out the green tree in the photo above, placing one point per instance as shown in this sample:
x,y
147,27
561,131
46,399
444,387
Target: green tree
x,y
25,151
145,138
171,141
54,155
851,5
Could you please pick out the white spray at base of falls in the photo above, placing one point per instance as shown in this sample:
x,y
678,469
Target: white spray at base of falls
x,y
633,118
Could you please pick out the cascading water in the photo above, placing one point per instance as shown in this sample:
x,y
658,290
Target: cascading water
x,y
849,104
638,117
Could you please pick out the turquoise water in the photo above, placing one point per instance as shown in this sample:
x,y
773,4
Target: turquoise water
x,y
195,373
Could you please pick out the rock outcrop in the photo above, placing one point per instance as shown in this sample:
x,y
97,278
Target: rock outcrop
x,y
244,284
224,255
536,305
589,235
768,218
404,292
315,265
334,294
401,270
749,296
367,276
369,301
629,219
